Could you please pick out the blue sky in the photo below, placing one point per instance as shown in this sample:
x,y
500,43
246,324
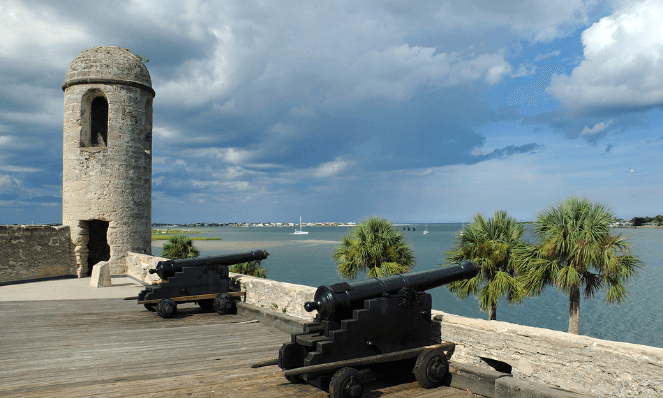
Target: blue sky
x,y
427,111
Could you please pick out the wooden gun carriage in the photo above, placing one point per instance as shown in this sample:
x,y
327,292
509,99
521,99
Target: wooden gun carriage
x,y
366,323
202,280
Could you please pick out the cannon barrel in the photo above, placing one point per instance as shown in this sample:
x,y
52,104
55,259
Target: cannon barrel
x,y
335,301
166,269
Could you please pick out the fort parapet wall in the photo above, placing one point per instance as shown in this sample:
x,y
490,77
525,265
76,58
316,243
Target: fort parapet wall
x,y
581,364
35,251
138,266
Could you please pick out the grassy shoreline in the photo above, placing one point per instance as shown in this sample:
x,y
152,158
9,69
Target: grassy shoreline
x,y
166,234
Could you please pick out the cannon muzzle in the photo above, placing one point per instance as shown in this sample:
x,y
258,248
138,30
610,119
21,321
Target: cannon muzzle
x,y
167,269
338,300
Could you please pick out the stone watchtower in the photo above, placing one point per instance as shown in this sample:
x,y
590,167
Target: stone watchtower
x,y
107,157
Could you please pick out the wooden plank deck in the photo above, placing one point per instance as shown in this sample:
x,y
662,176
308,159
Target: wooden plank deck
x,y
115,348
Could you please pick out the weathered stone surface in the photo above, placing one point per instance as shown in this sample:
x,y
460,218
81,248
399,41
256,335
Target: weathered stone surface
x,y
508,387
582,364
138,266
108,181
108,62
53,271
478,380
35,251
101,276
287,298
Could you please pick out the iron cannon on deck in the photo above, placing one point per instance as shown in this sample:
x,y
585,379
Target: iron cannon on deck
x,y
366,323
202,280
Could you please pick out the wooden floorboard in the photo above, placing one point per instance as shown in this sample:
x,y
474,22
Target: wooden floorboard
x,y
115,348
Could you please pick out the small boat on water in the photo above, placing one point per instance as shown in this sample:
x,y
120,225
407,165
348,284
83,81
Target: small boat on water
x,y
299,231
426,230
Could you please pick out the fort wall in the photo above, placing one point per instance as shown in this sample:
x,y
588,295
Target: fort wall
x,y
35,251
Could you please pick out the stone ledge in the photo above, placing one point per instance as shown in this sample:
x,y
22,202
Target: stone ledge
x,y
273,318
508,387
478,380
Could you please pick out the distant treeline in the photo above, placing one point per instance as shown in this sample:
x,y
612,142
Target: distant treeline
x,y
637,221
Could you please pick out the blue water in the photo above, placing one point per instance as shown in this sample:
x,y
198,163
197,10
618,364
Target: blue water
x,y
301,259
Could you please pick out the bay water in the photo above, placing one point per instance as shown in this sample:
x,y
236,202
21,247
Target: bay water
x,y
307,260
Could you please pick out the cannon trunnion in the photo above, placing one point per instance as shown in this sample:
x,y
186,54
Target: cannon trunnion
x,y
361,324
201,280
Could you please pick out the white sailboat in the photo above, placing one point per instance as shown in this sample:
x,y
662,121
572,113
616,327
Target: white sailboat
x,y
299,231
426,230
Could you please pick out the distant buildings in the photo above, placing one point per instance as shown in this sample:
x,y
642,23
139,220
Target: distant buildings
x,y
246,224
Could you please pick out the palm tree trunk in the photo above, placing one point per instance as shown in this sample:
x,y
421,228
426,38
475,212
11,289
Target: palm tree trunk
x,y
492,312
574,310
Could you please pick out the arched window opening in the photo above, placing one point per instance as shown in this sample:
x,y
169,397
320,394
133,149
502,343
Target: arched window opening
x,y
99,122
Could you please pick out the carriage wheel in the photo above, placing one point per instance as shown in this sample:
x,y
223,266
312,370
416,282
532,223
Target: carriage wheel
x,y
225,304
166,308
431,368
346,383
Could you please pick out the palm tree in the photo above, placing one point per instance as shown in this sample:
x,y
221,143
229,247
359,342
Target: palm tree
x,y
492,245
576,251
373,245
178,247
251,268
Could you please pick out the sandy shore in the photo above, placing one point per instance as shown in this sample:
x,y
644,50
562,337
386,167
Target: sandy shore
x,y
248,245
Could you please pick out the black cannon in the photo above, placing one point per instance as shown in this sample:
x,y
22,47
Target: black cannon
x,y
370,322
201,280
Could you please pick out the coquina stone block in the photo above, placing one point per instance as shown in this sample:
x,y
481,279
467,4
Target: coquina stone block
x,y
101,276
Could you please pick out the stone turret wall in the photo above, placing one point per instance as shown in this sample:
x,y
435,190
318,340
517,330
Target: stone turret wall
x,y
107,176
35,251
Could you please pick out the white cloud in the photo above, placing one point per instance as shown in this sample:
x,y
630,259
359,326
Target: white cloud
x,y
38,38
330,169
231,186
230,155
165,133
19,169
525,69
319,54
532,20
5,140
547,55
623,61
598,127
